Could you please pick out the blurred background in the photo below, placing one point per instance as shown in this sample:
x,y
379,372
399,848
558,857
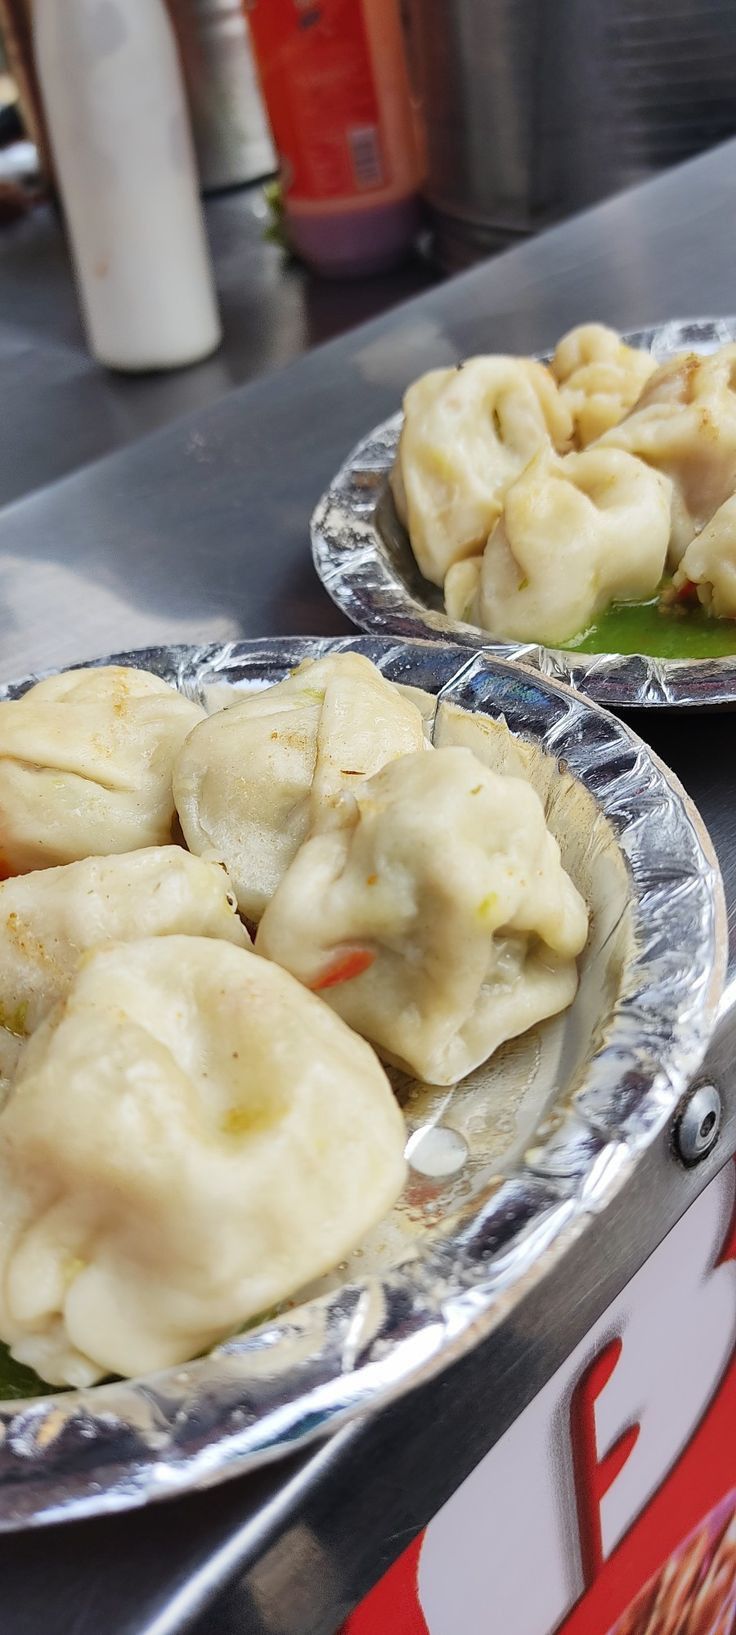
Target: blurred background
x,y
208,187
503,115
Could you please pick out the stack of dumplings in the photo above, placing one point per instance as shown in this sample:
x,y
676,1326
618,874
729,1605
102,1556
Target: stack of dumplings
x,y
540,497
467,434
253,780
195,1122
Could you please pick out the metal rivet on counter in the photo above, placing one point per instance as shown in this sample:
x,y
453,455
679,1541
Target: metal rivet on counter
x,y
698,1124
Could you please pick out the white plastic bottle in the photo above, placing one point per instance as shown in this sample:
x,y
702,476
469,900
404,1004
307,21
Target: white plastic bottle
x,y
231,134
120,136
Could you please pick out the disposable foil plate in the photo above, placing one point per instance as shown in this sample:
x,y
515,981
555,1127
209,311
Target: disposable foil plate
x,y
363,557
505,1169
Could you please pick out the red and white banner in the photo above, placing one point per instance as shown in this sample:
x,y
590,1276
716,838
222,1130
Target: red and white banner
x,y
609,1507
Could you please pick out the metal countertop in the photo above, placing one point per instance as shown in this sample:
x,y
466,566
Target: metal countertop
x,y
62,410
198,532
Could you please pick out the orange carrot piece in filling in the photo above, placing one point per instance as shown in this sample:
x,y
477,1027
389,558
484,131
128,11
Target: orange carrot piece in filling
x,y
344,968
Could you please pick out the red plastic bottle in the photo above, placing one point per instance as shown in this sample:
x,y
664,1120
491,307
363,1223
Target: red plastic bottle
x,y
334,79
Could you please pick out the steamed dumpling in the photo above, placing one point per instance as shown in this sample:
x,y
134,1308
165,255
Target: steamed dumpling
x,y
438,921
252,780
718,369
684,424
85,766
576,534
48,919
709,564
467,434
600,378
191,1137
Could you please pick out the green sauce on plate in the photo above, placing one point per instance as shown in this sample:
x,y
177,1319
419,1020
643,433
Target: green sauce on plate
x,y
17,1381
640,627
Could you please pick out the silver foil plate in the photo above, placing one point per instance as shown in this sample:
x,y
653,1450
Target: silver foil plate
x,y
505,1169
362,554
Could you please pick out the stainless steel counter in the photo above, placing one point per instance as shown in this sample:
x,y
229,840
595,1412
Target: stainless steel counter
x,y
61,410
201,531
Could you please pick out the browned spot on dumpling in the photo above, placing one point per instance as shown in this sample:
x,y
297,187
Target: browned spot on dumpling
x,y
708,425
25,942
689,372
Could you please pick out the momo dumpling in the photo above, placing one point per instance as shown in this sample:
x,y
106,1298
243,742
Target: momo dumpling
x,y
467,434
718,368
576,534
600,378
85,766
708,567
49,918
191,1137
252,780
438,921
684,424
